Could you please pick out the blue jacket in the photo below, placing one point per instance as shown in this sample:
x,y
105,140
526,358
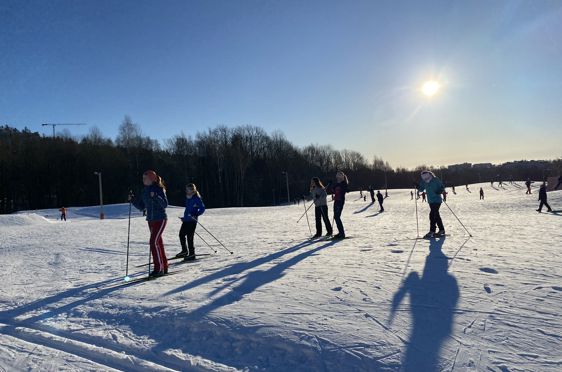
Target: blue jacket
x,y
434,189
194,207
155,206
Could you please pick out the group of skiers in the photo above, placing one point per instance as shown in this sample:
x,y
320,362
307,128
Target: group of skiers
x,y
154,202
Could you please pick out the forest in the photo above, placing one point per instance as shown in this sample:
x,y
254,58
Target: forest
x,y
232,167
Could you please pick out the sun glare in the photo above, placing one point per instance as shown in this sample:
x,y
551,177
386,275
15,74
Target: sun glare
x,y
430,88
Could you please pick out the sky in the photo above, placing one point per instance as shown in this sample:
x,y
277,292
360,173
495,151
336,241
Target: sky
x,y
343,73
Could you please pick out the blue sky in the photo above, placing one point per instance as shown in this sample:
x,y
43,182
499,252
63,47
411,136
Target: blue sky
x,y
345,73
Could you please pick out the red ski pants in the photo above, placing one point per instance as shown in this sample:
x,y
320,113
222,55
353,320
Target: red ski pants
x,y
157,244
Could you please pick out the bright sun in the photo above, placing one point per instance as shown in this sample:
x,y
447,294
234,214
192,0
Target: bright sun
x,y
430,88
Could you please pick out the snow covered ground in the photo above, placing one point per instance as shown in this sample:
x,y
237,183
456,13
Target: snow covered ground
x,y
377,301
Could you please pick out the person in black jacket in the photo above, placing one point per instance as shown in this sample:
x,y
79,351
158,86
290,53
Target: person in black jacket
x,y
543,199
372,192
380,198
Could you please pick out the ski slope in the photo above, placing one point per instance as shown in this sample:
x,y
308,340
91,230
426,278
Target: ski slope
x,y
376,301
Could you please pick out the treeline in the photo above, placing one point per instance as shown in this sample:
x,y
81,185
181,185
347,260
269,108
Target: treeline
x,y
233,167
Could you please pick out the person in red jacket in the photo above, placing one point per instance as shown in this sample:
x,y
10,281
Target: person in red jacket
x,y
62,213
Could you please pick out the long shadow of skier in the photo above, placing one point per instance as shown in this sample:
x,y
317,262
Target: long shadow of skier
x,y
238,268
254,280
433,298
364,208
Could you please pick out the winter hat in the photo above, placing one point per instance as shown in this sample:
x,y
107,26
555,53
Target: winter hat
x,y
151,175
427,175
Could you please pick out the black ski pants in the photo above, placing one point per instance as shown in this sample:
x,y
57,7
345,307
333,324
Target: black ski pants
x,y
321,213
187,230
435,217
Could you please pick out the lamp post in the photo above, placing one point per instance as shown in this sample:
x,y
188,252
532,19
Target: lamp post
x,y
287,181
102,216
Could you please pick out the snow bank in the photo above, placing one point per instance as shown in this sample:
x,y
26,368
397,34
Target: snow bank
x,y
22,219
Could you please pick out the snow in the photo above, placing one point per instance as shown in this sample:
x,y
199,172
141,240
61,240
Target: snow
x,y
377,301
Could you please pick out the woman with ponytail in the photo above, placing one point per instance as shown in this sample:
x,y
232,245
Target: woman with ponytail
x,y
194,207
154,201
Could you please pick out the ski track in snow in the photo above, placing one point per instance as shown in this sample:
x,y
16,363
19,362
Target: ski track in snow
x,y
380,301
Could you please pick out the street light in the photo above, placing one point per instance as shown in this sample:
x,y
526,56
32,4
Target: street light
x,y
287,181
102,216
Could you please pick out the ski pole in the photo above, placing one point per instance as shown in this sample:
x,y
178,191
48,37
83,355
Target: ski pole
x,y
204,241
417,220
214,237
469,234
311,204
128,241
307,221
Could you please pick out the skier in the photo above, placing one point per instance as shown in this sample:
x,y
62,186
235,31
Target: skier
x,y
62,214
372,192
319,196
528,184
380,198
444,195
467,189
194,208
154,200
423,196
454,192
338,195
543,199
434,188
481,194
411,195
361,193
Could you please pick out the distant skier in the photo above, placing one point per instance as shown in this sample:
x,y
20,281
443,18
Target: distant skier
x,y
434,188
492,183
543,199
423,196
319,196
365,198
467,189
361,193
386,194
411,195
481,194
338,192
528,184
380,199
444,195
559,183
454,192
154,200
372,192
62,214
194,207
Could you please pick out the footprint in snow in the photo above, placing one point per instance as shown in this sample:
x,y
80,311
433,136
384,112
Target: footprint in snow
x,y
397,251
337,289
487,288
556,288
488,270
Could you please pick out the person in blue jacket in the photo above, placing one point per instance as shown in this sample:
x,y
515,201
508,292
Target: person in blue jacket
x,y
434,189
154,201
194,207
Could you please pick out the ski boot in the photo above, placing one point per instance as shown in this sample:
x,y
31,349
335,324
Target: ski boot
x,y
429,235
440,233
181,254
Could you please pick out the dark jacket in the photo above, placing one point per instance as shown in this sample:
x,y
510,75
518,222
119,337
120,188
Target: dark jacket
x,y
380,197
339,191
194,207
155,206
542,193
